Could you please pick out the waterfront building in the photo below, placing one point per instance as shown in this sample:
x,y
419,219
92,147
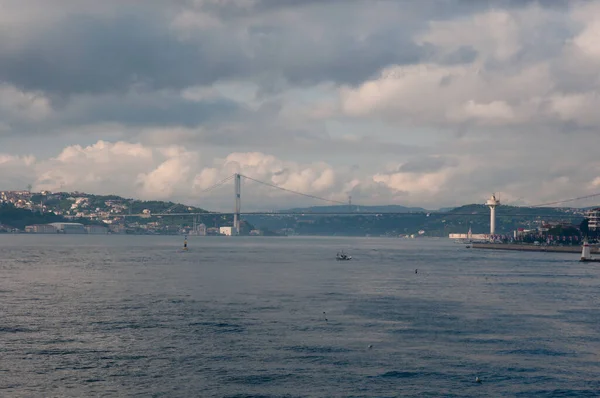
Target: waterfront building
x,y
69,227
96,230
40,229
593,215
227,231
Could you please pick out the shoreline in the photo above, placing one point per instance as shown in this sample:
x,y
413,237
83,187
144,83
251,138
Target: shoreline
x,y
533,248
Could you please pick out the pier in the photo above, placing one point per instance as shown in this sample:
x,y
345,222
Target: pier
x,y
533,248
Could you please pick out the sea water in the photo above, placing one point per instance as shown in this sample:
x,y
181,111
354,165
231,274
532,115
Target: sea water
x,y
121,316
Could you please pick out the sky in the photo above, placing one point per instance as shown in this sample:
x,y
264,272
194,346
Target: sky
x,y
417,103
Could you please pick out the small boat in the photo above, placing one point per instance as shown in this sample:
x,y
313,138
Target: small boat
x,y
343,257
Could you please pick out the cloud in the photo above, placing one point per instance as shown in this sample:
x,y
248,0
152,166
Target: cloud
x,y
416,103
175,173
510,82
16,172
17,105
134,170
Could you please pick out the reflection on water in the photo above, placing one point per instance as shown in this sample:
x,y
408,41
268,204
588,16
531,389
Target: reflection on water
x,y
135,316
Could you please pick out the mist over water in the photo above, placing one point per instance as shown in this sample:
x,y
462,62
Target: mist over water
x,y
123,316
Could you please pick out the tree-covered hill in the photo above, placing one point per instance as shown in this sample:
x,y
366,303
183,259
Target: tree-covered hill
x,y
19,218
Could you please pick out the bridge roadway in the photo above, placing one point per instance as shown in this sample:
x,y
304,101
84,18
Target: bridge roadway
x,y
350,213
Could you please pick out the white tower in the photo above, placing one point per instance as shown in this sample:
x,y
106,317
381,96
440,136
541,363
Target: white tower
x,y
585,251
492,202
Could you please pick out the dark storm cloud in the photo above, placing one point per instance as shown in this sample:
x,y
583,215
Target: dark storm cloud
x,y
87,64
148,110
439,9
99,53
84,54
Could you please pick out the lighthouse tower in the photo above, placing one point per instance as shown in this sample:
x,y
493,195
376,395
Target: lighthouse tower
x,y
492,202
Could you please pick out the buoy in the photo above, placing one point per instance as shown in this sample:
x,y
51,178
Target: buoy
x,y
477,380
185,243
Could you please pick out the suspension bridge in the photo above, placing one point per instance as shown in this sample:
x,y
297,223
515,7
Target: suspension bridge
x,y
352,210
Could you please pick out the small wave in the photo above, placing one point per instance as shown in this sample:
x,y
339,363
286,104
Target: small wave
x,y
220,327
15,329
259,396
259,379
558,393
535,351
395,374
316,349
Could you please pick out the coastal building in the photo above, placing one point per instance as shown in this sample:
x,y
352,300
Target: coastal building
x,y
40,229
69,227
227,231
593,217
96,230
201,230
469,236
117,228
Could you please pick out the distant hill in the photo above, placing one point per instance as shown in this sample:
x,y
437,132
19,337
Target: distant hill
x,y
412,220
355,208
61,203
25,208
19,218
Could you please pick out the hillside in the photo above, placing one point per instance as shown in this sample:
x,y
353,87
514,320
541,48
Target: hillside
x,y
457,220
23,208
19,218
62,202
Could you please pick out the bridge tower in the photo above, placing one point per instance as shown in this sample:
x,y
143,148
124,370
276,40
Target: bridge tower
x,y
492,202
238,204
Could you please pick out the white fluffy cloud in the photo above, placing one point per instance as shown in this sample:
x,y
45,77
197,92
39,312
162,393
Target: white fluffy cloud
x,y
21,105
135,170
503,85
16,172
174,173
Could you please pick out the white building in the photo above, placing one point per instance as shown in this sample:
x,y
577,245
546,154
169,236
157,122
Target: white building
x,y
593,216
226,231
40,229
69,227
201,230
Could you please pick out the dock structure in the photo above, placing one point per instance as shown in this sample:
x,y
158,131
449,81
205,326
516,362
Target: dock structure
x,y
534,248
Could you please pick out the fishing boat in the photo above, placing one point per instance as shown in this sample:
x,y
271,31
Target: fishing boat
x,y
341,256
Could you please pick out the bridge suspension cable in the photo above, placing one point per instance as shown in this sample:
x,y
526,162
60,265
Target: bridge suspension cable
x,y
218,184
567,200
294,192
